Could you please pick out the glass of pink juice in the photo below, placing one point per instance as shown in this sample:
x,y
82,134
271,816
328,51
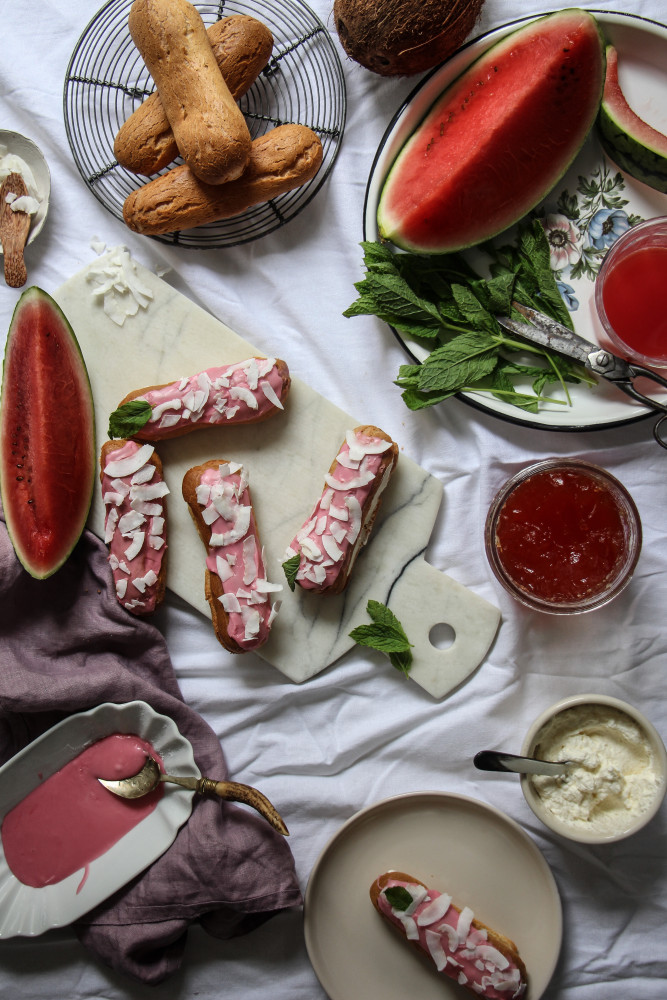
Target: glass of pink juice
x,y
631,293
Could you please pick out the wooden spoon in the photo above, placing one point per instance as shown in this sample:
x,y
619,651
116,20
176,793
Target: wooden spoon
x,y
14,228
150,776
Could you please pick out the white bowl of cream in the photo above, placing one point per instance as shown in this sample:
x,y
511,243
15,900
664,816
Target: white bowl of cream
x,y
620,779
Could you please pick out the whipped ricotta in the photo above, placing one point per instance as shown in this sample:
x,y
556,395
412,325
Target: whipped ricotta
x,y
617,777
10,163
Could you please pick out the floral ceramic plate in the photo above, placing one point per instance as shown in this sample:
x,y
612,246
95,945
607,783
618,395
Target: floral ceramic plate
x,y
592,205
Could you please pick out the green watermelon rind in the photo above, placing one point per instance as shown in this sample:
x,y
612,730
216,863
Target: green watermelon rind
x,y
388,232
41,569
629,141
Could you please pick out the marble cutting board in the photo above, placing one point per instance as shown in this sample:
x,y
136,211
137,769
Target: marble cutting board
x,y
286,458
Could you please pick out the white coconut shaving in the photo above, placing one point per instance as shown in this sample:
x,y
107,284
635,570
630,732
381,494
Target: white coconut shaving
x,y
115,281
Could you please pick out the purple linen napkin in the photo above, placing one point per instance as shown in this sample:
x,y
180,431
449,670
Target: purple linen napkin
x,y
66,645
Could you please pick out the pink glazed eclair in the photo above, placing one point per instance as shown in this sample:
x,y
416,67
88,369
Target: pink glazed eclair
x,y
241,393
236,587
462,948
135,524
339,525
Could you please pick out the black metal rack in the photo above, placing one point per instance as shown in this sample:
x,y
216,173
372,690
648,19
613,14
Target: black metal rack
x,y
303,83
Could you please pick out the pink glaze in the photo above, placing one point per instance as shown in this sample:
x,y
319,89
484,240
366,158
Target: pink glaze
x,y
235,555
246,391
71,819
472,962
135,513
336,522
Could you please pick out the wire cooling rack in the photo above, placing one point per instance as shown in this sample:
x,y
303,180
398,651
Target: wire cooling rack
x,y
303,83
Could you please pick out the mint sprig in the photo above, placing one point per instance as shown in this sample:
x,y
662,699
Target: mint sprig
x,y
443,301
290,569
129,418
398,897
386,634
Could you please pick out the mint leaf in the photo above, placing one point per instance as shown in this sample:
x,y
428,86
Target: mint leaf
x,y
386,634
398,897
459,363
472,309
129,418
290,569
414,399
395,296
382,637
401,661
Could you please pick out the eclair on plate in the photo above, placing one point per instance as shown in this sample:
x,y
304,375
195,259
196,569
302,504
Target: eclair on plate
x,y
462,948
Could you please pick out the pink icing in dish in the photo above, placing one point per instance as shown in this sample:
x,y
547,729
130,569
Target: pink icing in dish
x,y
133,494
336,522
69,820
459,950
234,554
248,390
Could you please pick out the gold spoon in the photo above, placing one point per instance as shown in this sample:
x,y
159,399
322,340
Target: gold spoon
x,y
150,776
14,228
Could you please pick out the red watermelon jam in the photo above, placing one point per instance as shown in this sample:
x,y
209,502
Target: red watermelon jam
x,y
69,820
563,537
635,301
631,293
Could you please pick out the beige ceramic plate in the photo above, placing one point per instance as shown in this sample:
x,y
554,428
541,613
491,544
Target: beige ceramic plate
x,y
454,843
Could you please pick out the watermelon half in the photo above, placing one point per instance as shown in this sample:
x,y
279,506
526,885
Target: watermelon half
x,y
47,435
499,137
633,144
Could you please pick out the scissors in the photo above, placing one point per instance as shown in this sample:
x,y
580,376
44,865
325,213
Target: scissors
x,y
547,332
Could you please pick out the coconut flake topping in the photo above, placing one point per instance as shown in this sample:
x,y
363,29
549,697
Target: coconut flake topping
x,y
133,495
235,555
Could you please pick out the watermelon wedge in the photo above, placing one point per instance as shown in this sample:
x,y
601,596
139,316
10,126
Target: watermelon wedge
x,y
499,137
633,144
47,435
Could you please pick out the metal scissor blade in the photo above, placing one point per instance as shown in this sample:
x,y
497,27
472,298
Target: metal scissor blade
x,y
547,332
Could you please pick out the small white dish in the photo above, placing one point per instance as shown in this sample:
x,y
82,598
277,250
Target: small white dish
x,y
39,185
29,911
579,830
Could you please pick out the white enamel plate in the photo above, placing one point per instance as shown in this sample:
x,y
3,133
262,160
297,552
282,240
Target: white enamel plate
x,y
595,197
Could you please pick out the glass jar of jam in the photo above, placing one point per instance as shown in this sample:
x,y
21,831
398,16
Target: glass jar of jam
x,y
631,293
563,536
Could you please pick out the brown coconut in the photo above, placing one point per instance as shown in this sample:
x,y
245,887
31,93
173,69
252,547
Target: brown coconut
x,y
403,37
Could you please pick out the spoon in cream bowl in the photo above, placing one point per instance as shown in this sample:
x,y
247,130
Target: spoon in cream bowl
x,y
496,760
150,776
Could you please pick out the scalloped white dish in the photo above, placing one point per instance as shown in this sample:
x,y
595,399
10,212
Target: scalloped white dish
x,y
593,188
452,842
29,911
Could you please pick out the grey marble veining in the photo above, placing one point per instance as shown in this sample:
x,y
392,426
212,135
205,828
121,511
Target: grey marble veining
x,y
286,458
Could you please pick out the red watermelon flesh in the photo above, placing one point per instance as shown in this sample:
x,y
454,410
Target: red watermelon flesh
x,y
633,144
47,435
498,139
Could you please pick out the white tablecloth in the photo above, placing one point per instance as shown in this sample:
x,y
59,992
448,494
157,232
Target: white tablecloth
x,y
359,732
